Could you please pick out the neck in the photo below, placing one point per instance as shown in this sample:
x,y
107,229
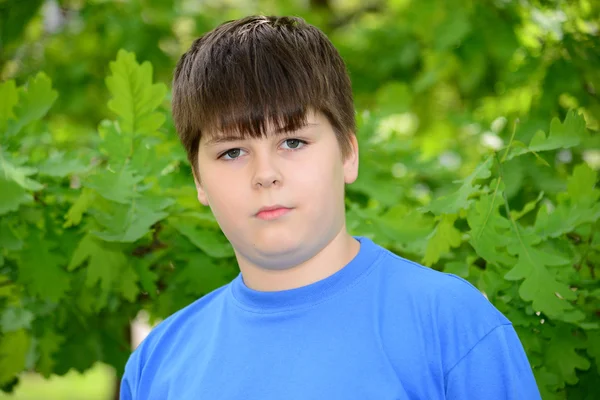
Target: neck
x,y
332,258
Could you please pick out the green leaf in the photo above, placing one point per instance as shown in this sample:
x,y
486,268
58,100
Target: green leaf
x,y
540,286
407,228
41,269
491,280
116,186
57,165
460,268
365,221
593,346
147,278
13,196
579,205
209,241
105,261
48,345
9,240
490,232
587,387
80,206
35,100
562,356
547,383
128,283
9,97
18,174
128,223
562,136
87,247
107,266
116,145
90,301
200,274
529,206
459,200
15,318
581,186
563,219
14,348
443,238
83,347
134,96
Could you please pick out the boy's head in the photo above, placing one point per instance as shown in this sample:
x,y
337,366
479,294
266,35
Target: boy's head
x,y
264,109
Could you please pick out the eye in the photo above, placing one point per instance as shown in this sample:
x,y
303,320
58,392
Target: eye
x,y
293,144
231,154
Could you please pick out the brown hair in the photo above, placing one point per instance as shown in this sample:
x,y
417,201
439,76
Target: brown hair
x,y
260,70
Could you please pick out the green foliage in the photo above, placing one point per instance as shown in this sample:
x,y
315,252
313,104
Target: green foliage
x,y
478,127
134,96
561,136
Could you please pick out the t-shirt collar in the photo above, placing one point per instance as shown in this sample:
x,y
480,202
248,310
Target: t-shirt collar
x,y
259,301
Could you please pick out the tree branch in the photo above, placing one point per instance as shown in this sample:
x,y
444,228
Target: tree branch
x,y
156,244
344,20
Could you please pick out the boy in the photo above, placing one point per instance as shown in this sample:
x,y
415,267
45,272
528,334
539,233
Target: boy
x,y
264,109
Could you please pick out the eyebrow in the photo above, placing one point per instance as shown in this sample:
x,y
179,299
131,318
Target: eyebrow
x,y
213,141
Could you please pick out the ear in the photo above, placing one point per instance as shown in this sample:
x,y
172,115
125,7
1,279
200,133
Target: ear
x,y
202,197
351,161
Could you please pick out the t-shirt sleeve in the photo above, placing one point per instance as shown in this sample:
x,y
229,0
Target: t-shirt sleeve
x,y
495,368
125,392
128,387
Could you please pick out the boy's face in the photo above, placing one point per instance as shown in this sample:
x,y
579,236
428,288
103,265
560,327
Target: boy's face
x,y
302,174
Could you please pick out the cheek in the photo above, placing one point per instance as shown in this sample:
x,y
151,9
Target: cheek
x,y
223,192
320,176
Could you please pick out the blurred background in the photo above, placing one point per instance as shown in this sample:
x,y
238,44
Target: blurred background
x,y
438,85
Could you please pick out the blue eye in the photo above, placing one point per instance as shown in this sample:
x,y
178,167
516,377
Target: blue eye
x,y
294,144
231,154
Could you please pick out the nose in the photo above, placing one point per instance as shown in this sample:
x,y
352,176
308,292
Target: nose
x,y
266,171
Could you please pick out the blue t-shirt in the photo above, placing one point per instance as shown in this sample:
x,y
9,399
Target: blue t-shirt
x,y
381,328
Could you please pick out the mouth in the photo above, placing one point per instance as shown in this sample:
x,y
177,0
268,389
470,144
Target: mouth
x,y
272,212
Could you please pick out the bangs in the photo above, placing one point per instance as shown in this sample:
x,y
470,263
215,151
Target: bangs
x,y
244,118
245,84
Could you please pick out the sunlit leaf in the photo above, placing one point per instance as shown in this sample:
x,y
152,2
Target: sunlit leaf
x,y
443,238
35,99
460,199
135,97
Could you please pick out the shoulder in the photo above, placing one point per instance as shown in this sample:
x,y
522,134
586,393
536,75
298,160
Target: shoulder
x,y
194,313
170,330
449,295
446,308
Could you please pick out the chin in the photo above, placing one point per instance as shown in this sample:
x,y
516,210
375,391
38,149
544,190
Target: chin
x,y
276,243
